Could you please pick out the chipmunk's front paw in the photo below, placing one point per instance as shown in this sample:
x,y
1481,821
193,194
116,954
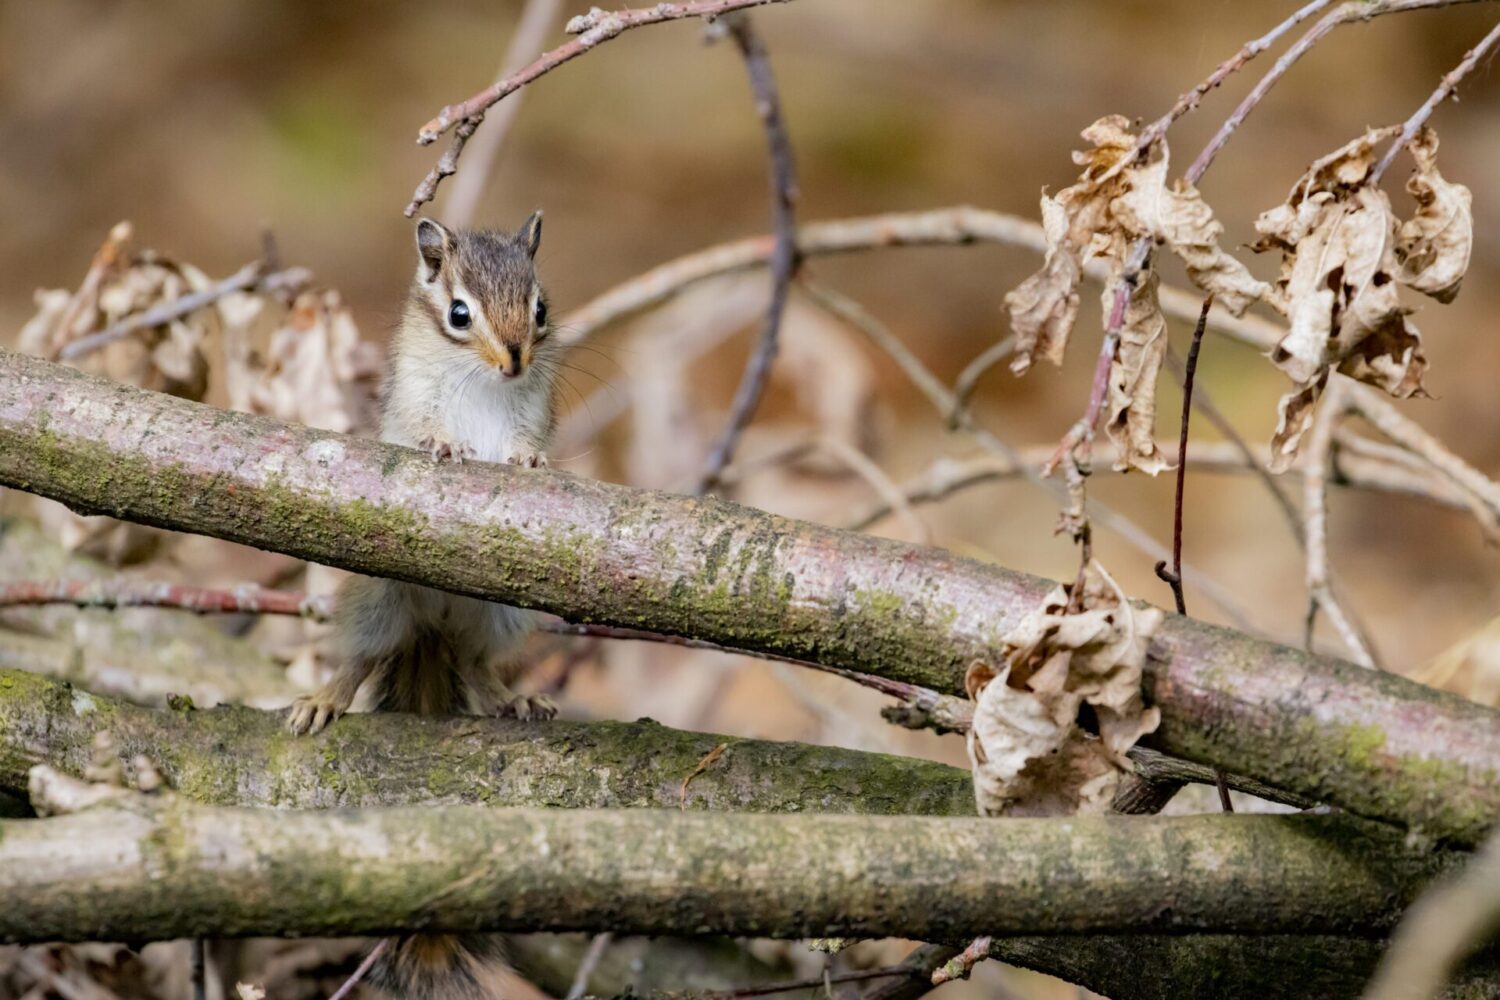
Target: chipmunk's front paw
x,y
452,451
528,459
311,713
527,707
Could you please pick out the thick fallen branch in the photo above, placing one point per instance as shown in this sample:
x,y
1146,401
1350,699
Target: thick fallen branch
x,y
242,757
136,867
1373,744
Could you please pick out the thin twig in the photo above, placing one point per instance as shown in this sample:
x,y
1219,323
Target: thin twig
x,y
1404,431
892,497
1345,13
1444,90
594,28
1173,577
968,379
784,258
942,400
364,967
252,276
1315,521
446,166
124,593
1375,467
597,947
535,22
963,963
1189,100
1079,441
1378,475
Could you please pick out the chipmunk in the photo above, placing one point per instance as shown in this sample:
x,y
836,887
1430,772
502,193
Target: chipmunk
x,y
470,376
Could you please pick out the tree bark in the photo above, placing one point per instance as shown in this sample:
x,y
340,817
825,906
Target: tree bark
x,y
234,756
1372,743
137,867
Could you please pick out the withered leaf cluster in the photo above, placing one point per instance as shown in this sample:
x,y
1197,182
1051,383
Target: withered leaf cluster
x,y
1029,756
290,353
1344,257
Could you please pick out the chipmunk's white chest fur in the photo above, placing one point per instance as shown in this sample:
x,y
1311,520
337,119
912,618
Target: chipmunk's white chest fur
x,y
433,395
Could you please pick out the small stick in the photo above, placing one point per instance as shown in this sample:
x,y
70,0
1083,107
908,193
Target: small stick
x,y
1080,436
251,276
1315,526
594,28
1351,10
364,967
1173,577
960,966
1444,90
785,257
531,31
590,962
975,370
120,593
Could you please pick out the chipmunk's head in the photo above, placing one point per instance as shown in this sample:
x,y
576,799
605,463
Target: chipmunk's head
x,y
478,289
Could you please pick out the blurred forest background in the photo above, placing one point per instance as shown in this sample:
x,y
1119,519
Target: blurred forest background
x,y
204,122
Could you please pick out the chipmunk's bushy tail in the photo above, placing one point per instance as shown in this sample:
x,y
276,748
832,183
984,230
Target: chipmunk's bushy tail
x,y
437,967
428,672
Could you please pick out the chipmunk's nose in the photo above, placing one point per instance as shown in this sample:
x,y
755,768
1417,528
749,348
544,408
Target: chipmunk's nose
x,y
506,360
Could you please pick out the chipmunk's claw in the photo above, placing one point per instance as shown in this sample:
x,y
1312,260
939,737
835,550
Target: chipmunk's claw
x,y
528,459
440,450
312,713
527,707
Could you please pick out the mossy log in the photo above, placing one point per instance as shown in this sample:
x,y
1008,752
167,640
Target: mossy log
x,y
244,757
1374,744
134,867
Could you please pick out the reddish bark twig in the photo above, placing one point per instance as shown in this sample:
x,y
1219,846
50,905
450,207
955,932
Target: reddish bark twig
x,y
249,599
593,29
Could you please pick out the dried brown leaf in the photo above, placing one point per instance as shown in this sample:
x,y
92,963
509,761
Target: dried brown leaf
x,y
1339,287
1178,216
1029,757
1078,226
1294,415
318,372
1131,418
1434,245
1044,307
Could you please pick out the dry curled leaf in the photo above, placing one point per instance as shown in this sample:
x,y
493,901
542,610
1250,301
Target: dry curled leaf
x,y
1176,215
1044,307
1028,755
1338,288
1434,245
317,370
1120,198
1078,226
1131,416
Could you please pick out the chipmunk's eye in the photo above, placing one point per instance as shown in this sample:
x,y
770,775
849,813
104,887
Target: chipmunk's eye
x,y
541,313
458,315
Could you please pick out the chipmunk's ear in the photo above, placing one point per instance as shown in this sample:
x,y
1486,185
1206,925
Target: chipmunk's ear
x,y
530,233
434,243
